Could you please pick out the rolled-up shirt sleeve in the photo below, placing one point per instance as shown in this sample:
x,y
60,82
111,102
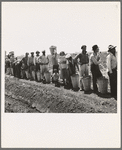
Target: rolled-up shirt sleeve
x,y
28,62
76,57
109,63
95,61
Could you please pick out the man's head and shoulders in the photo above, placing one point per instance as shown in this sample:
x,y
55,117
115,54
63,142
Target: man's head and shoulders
x,y
111,51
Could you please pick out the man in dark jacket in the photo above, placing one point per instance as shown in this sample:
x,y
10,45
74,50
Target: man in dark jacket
x,y
25,66
71,70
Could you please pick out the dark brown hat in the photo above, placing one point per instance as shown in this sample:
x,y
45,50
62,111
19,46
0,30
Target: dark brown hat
x,y
94,47
37,52
43,51
62,53
83,46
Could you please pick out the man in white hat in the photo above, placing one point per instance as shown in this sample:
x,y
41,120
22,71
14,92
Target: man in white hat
x,y
44,61
112,69
54,58
83,65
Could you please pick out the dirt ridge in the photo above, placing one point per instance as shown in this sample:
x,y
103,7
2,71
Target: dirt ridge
x,y
49,99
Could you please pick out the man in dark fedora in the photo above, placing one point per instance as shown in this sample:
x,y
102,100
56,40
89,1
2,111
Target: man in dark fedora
x,y
112,69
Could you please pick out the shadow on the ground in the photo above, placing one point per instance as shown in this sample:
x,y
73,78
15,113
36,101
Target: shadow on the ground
x,y
88,92
107,95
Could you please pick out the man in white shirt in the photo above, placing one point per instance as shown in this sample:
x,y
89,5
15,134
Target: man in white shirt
x,y
112,69
63,67
44,61
54,58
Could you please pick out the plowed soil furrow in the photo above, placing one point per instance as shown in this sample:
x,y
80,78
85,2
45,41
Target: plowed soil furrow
x,y
17,106
47,98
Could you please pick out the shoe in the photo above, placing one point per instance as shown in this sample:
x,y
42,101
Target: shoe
x,y
81,89
44,81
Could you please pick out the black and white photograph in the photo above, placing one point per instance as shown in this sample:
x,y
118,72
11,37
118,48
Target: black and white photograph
x,y
61,58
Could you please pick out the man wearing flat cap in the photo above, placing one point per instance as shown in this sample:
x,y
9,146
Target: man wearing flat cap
x,y
43,61
112,69
38,78
32,66
83,65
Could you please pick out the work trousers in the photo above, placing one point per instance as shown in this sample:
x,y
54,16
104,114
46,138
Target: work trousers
x,y
83,71
18,71
113,82
38,75
95,74
32,72
43,69
8,71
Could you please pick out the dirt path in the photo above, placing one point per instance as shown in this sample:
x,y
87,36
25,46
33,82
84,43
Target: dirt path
x,y
46,98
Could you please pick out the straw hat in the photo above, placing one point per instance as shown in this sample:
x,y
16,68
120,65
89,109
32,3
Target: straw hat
x,y
110,47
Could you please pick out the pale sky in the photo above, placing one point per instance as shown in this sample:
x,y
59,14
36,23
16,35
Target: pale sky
x,y
32,26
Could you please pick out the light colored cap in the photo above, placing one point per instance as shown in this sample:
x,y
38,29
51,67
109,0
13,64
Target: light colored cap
x,y
68,56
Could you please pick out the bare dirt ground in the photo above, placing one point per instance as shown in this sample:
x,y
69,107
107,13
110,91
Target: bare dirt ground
x,y
22,96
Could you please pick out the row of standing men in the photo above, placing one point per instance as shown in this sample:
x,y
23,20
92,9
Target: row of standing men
x,y
34,66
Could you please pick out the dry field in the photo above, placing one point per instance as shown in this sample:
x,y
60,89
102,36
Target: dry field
x,y
22,96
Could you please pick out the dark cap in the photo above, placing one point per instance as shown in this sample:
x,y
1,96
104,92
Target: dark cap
x,y
62,53
43,51
27,53
37,52
94,47
83,46
32,52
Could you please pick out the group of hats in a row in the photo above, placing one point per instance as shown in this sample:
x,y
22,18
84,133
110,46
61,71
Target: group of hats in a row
x,y
37,52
